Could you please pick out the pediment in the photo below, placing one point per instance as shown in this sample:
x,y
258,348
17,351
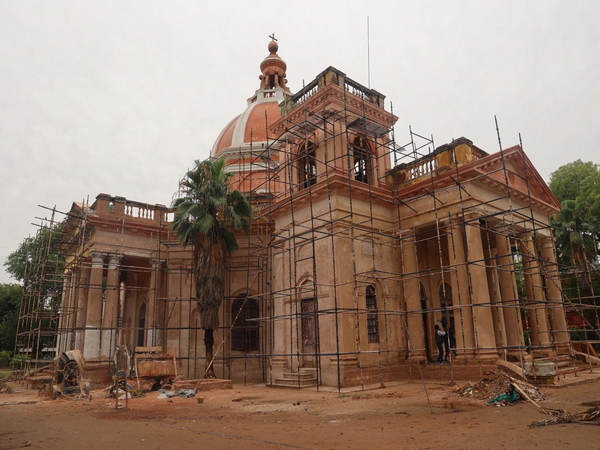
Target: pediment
x,y
521,174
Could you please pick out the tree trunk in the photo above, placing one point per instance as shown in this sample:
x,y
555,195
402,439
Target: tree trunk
x,y
210,280
208,345
210,289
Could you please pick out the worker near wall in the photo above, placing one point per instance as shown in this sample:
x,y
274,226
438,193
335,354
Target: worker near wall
x,y
440,337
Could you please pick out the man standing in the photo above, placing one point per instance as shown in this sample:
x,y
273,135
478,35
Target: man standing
x,y
440,337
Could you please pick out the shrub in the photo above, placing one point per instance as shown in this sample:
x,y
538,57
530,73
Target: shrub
x,y
5,358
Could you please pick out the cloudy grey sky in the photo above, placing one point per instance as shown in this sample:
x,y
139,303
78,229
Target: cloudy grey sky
x,y
121,96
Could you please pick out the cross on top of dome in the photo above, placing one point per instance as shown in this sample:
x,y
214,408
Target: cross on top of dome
x,y
273,46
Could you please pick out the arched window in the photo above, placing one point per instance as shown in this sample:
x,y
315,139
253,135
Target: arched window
x,y
362,159
307,165
244,333
141,325
372,318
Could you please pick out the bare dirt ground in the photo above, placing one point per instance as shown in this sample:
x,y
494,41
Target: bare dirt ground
x,y
259,417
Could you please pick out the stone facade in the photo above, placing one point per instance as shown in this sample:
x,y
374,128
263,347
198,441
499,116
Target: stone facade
x,y
357,250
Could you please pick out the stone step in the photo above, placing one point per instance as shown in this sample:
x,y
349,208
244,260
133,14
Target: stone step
x,y
295,383
299,375
570,369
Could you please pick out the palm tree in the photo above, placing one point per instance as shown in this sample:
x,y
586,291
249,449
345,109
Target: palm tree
x,y
577,232
206,216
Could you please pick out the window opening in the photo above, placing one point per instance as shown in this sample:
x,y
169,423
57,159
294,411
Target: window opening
x,y
307,165
372,319
244,333
362,159
141,326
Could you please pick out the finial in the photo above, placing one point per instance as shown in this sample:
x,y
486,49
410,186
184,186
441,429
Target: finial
x,y
273,47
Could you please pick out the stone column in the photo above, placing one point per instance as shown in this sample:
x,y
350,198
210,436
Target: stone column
x,y
540,334
554,296
70,313
459,282
121,333
62,316
510,296
480,293
81,291
111,306
93,317
152,322
412,294
496,299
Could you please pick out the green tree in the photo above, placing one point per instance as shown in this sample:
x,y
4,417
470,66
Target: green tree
x,y
207,216
578,181
39,267
34,251
10,300
577,233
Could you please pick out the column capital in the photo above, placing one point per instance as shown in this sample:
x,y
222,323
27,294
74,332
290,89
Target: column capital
x,y
470,216
97,260
547,241
114,260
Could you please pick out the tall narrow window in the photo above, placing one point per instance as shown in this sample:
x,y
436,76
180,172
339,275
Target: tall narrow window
x,y
141,325
244,333
372,318
307,165
362,160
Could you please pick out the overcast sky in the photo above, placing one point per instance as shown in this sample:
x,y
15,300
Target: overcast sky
x,y
120,97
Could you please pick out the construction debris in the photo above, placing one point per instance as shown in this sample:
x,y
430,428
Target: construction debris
x,y
588,417
501,389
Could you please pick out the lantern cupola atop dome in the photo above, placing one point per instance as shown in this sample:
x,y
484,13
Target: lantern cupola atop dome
x,y
273,69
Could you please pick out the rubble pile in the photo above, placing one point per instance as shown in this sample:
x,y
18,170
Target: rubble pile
x,y
498,387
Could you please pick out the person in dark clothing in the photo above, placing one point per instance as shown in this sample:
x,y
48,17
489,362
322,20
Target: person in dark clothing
x,y
446,339
440,337
452,340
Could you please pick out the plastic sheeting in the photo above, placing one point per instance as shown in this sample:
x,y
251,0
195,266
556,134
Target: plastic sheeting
x,y
183,393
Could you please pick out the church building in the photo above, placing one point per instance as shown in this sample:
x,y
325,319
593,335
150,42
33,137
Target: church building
x,y
360,248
